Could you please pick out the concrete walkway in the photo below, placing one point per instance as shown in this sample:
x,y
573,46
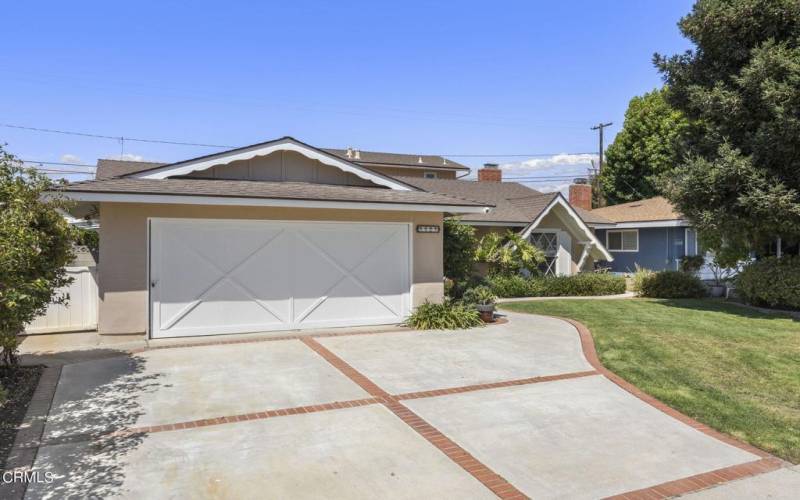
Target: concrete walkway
x,y
511,411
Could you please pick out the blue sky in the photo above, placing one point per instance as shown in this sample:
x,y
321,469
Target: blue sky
x,y
418,77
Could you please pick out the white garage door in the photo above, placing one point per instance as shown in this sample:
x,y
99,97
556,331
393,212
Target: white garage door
x,y
211,277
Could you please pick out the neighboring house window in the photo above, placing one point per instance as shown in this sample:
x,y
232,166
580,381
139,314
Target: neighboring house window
x,y
547,243
622,240
431,175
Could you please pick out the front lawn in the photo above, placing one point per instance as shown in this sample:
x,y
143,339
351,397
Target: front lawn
x,y
732,368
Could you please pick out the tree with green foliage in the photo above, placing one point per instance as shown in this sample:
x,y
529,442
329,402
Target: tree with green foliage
x,y
740,87
459,250
650,143
508,254
35,245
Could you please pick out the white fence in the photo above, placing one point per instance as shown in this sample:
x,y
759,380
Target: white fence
x,y
80,313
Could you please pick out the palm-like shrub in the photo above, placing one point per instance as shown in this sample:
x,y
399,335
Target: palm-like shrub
x,y
508,254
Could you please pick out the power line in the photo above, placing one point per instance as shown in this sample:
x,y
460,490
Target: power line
x,y
54,171
179,143
65,164
115,138
520,155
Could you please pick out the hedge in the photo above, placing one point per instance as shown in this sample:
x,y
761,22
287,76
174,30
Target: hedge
x,y
585,284
672,285
771,282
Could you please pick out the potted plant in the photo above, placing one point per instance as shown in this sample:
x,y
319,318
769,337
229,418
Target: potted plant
x,y
721,274
484,301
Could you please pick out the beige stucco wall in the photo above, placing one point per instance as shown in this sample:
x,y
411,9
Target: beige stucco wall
x,y
122,270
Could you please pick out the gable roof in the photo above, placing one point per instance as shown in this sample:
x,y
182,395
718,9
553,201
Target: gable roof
x,y
264,148
649,210
559,201
108,168
249,192
401,160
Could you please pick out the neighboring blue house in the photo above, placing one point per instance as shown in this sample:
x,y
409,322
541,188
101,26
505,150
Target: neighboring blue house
x,y
649,233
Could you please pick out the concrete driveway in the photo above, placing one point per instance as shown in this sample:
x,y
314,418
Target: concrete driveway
x,y
510,410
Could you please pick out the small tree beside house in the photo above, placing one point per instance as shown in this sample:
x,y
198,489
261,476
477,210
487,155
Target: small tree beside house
x,y
35,246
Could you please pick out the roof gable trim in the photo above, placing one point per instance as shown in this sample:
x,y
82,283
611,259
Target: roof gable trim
x,y
559,200
263,149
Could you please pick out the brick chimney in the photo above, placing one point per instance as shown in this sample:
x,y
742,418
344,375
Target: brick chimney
x,y
490,173
580,194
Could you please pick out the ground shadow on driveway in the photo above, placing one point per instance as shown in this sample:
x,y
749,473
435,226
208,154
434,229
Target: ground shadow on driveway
x,y
97,397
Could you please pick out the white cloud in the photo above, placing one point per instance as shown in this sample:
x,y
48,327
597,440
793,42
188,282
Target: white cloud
x,y
68,158
551,187
540,164
132,157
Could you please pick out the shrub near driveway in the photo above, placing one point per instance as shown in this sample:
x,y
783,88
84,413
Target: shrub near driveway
x,y
449,315
730,367
585,284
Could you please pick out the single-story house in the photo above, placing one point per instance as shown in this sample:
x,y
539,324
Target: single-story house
x,y
282,235
649,233
275,236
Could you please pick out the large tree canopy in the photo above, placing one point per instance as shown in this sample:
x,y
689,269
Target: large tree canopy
x,y
740,86
649,144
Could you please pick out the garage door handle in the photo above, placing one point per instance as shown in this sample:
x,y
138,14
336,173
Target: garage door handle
x,y
153,283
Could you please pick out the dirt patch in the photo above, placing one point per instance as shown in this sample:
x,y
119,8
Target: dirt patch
x,y
18,386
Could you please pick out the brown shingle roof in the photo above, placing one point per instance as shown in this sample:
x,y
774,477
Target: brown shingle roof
x,y
591,217
513,202
406,160
263,189
106,169
651,209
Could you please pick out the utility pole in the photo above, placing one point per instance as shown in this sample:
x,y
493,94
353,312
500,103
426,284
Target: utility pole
x,y
600,126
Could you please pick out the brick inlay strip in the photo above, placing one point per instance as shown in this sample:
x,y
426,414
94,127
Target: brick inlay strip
x,y
29,435
766,463
702,481
496,483
493,385
587,343
258,415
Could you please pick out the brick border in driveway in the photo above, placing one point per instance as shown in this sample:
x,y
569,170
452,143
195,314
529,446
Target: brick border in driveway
x,y
480,471
766,463
29,434
45,391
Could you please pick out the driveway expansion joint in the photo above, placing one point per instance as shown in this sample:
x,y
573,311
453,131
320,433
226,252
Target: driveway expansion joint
x,y
481,472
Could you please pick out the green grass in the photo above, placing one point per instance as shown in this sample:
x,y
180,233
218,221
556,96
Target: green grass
x,y
732,368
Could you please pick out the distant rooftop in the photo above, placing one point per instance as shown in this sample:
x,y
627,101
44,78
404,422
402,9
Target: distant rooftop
x,y
651,209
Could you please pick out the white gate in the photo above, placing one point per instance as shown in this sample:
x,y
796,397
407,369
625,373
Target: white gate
x,y
80,313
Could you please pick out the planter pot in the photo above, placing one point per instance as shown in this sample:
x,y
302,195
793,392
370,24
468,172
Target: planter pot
x,y
486,312
718,291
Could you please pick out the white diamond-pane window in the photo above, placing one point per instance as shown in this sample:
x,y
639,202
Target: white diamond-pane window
x,y
547,243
